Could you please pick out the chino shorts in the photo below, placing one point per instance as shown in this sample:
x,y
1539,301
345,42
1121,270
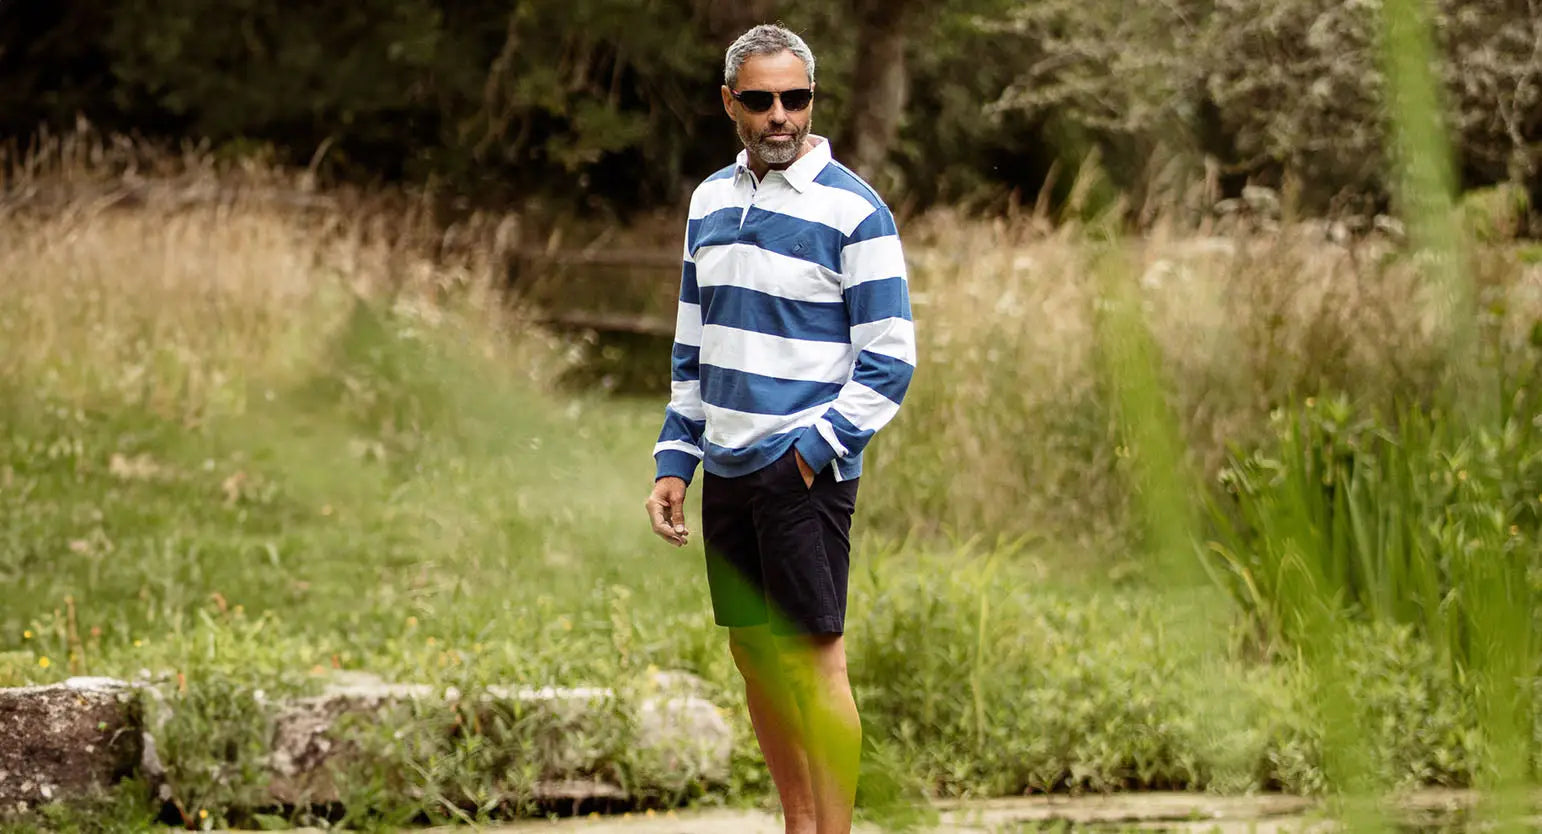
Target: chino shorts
x,y
779,552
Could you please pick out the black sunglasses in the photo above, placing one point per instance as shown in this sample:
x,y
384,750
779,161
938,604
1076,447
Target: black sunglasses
x,y
759,101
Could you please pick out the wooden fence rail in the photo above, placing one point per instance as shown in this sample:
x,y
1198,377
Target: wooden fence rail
x,y
632,263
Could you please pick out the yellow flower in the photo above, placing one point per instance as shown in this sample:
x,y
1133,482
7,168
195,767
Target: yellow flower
x,y
203,813
412,622
27,635
44,662
138,643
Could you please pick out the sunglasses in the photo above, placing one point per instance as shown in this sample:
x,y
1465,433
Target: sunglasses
x,y
759,101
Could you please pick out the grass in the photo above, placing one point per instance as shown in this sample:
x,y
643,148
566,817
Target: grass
x,y
245,444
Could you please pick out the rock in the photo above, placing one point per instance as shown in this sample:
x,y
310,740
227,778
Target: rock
x,y
686,737
72,740
677,736
66,741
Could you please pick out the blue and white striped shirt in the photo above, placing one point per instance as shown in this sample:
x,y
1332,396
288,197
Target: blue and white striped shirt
x,y
794,325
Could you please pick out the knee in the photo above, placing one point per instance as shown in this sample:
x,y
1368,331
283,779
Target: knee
x,y
816,669
754,653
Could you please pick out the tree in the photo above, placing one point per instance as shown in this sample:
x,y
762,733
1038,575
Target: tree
x,y
880,80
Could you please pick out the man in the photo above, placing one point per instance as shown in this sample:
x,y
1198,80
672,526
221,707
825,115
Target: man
x,y
793,345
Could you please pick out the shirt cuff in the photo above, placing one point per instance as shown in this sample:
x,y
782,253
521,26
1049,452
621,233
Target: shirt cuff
x,y
673,463
815,451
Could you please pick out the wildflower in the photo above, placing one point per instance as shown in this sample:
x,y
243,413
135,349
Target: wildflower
x,y
44,662
203,813
138,643
412,622
27,635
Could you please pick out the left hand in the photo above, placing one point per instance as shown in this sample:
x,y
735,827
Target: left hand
x,y
805,470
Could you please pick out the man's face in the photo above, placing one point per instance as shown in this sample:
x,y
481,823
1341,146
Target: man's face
x,y
776,135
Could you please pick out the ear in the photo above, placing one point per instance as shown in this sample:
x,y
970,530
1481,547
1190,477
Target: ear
x,y
728,102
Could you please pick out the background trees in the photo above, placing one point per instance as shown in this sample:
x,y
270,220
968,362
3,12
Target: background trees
x,y
612,103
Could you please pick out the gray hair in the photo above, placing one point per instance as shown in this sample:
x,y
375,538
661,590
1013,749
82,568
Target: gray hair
x,y
765,39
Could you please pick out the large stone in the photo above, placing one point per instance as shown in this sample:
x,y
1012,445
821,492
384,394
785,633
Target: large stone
x,y
678,736
71,740
66,741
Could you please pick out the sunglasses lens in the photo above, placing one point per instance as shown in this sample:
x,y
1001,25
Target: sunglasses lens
x,y
796,99
758,101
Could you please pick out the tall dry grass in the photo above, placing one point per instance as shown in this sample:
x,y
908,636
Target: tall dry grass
x,y
178,281
1007,429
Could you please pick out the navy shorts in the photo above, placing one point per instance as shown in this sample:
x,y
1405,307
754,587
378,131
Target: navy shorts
x,y
779,552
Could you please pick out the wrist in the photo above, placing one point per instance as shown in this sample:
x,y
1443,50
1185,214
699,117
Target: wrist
x,y
813,450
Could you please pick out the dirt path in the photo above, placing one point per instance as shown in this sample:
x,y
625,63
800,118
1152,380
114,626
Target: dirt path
x,y
1171,811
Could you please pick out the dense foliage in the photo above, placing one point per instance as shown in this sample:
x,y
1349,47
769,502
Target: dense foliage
x,y
1277,90
613,103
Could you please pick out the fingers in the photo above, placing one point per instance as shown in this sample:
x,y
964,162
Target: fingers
x,y
666,513
677,518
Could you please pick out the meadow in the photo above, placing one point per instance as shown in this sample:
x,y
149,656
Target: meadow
x,y
253,434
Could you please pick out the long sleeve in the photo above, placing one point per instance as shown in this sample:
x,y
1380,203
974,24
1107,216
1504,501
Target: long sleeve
x,y
877,295
680,445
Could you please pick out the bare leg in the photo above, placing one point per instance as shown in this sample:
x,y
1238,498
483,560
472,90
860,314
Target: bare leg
x,y
774,714
817,668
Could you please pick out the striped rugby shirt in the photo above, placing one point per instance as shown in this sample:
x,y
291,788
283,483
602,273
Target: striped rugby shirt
x,y
794,326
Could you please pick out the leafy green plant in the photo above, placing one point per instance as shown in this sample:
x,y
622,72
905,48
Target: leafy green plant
x,y
1386,522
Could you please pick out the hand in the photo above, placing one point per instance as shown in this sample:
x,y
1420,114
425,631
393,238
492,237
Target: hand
x,y
666,509
804,469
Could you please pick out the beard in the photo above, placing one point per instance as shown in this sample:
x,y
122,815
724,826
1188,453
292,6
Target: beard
x,y
774,153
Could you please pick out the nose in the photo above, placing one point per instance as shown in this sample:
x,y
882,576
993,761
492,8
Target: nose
x,y
777,113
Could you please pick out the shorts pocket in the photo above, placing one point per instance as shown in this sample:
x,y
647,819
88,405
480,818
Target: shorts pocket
x,y
796,472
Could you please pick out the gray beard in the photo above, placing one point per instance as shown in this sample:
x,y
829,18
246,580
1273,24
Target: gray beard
x,y
775,153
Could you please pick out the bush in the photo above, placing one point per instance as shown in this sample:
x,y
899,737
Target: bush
x,y
1277,91
987,681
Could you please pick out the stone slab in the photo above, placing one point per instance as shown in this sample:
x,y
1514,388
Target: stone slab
x,y
66,740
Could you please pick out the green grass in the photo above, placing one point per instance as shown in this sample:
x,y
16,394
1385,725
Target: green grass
x,y
240,449
438,520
